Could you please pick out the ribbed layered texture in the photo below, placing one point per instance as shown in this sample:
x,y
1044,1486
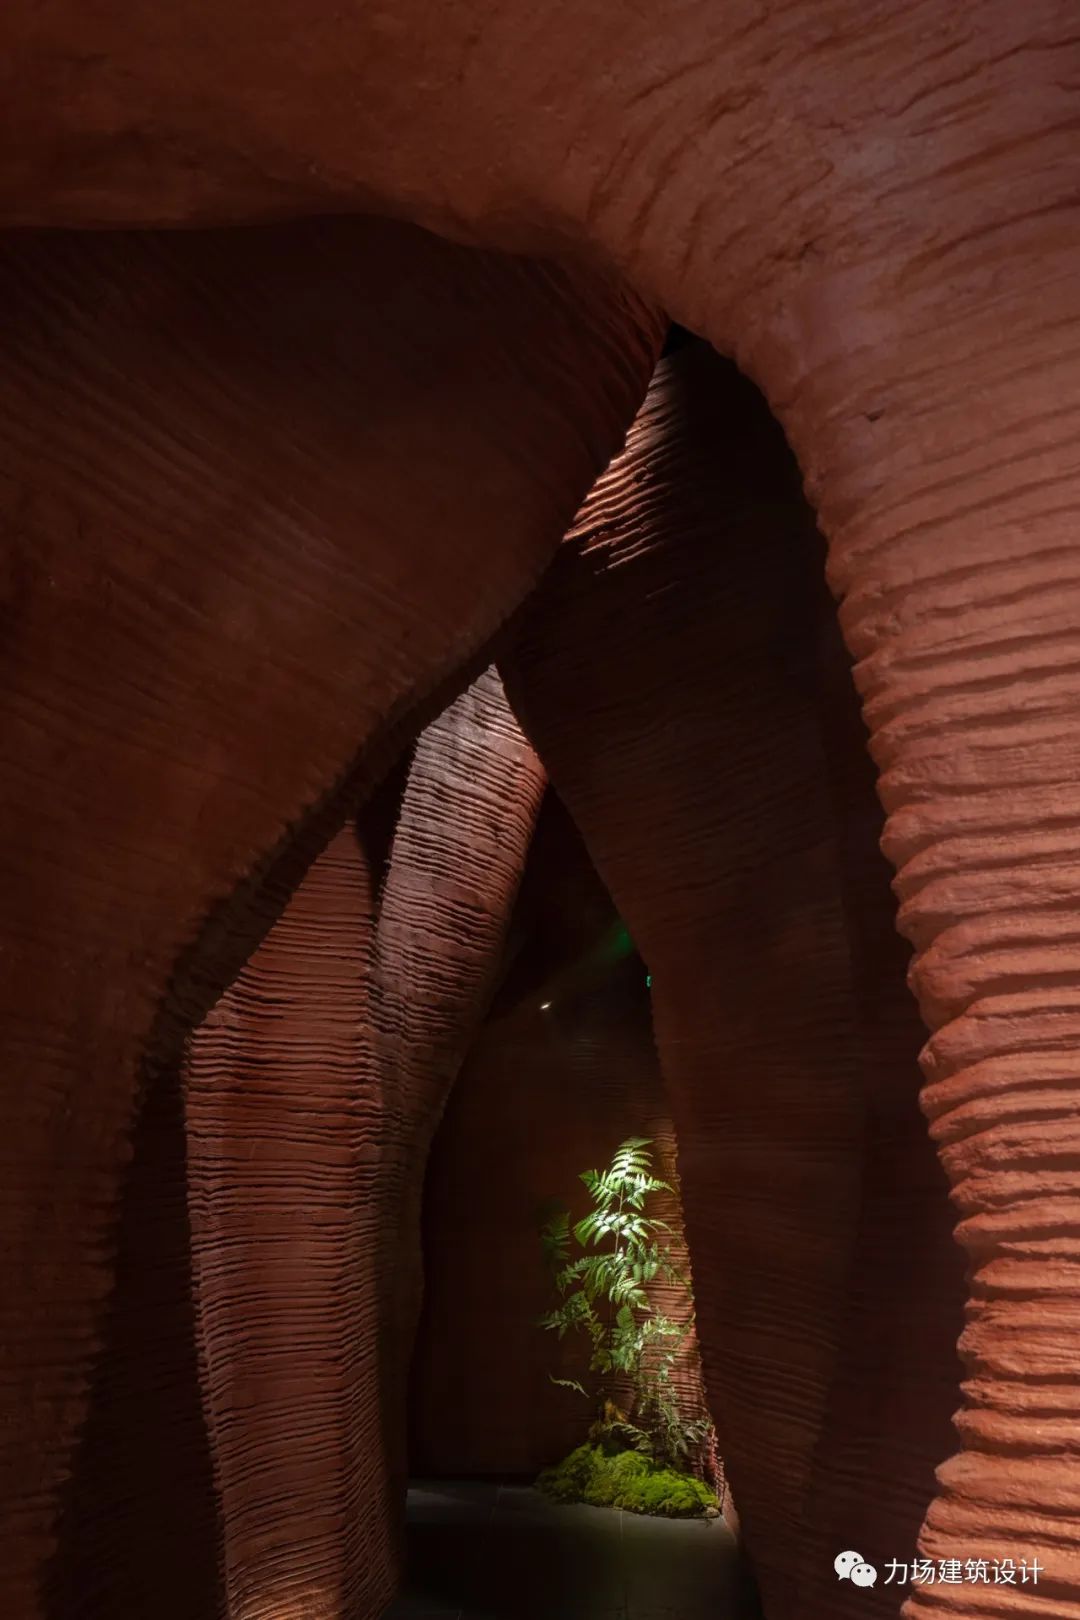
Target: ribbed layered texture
x,y
287,1131
262,492
564,1069
458,854
670,677
314,1087
958,565
895,1391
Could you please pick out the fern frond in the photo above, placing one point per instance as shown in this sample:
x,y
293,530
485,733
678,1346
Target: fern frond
x,y
569,1383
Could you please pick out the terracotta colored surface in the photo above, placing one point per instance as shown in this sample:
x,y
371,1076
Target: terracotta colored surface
x,y
217,547
955,558
697,773
300,1136
285,1119
895,1389
459,850
544,1094
137,1530
876,212
119,1553
738,163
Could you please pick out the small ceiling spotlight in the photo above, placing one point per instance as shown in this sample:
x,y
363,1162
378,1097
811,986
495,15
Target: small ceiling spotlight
x,y
544,1005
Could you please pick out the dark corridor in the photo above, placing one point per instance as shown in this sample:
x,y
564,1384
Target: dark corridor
x,y
483,1551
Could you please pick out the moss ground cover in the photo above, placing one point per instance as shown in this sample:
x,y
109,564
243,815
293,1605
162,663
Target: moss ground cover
x,y
626,1479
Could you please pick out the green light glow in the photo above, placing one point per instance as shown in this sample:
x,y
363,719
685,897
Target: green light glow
x,y
618,943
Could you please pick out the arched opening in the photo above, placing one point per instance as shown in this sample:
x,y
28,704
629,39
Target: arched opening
x,y
680,672
563,1069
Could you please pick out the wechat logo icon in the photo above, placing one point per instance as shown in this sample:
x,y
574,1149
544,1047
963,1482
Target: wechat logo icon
x,y
851,1566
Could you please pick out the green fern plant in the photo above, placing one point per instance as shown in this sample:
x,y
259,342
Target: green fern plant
x,y
603,1294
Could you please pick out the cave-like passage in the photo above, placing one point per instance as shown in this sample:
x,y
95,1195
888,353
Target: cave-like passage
x,y
562,1069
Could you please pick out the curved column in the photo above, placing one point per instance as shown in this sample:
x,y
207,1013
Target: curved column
x,y
263,493
943,454
314,1088
286,1137
458,854
667,671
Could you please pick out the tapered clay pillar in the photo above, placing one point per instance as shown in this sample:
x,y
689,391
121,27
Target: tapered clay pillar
x,y
668,673
314,1088
287,1127
943,456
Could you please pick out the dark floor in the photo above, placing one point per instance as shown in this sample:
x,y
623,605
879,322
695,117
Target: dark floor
x,y
502,1552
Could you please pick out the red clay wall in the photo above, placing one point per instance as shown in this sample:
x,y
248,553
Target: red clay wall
x,y
313,1088
543,1095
